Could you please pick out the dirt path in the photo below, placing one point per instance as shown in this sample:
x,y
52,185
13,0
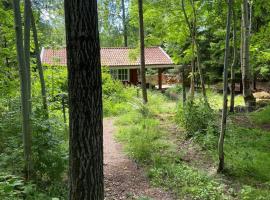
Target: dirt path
x,y
123,178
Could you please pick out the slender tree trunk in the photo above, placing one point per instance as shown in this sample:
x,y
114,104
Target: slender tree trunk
x,y
27,28
26,122
183,84
192,78
248,96
85,100
193,36
39,66
124,23
225,90
198,50
143,79
234,63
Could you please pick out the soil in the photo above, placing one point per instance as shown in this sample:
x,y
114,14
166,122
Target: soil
x,y
124,179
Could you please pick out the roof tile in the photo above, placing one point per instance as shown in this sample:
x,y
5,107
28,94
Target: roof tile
x,y
120,56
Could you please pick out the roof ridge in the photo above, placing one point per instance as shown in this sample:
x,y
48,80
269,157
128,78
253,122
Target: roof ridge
x,y
128,47
62,48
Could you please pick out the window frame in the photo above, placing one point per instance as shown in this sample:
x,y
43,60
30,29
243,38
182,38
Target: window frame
x,y
121,74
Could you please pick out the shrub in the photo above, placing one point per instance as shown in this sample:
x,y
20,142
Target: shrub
x,y
195,117
115,95
49,155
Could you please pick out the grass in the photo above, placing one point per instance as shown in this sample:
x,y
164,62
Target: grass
x,y
215,99
262,117
247,155
149,144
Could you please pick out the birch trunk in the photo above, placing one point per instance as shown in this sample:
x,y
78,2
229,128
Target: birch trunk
x,y
234,63
246,75
85,101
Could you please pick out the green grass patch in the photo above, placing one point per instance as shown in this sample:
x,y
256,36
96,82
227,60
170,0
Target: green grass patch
x,y
262,117
247,158
149,144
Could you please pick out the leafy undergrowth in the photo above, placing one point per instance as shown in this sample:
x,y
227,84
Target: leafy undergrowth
x,y
149,144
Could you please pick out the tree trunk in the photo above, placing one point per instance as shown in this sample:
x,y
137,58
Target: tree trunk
x,y
124,23
192,78
26,122
39,66
193,36
198,50
143,80
183,84
85,100
248,96
27,28
233,66
225,89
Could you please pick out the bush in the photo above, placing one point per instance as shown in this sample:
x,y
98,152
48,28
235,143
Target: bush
x,y
115,95
195,117
50,153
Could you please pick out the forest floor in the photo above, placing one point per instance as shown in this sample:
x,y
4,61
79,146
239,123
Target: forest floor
x,y
124,179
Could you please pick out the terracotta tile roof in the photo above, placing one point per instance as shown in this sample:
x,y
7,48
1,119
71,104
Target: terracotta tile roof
x,y
121,56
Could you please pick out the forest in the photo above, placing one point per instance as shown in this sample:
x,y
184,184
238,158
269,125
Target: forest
x,y
135,99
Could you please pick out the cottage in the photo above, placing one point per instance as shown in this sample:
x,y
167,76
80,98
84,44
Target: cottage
x,y
122,64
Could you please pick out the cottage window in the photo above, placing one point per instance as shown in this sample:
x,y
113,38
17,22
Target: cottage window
x,y
120,74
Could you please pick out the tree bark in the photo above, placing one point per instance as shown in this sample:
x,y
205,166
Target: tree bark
x,y
124,23
26,122
192,30
225,89
234,63
198,50
247,93
192,78
27,28
143,79
183,84
85,100
39,66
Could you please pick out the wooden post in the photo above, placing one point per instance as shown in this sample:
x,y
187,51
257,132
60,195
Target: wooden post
x,y
160,78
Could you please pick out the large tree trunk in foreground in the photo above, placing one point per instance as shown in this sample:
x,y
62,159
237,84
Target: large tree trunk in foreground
x,y
245,67
234,64
85,100
39,66
143,80
124,22
24,82
225,90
